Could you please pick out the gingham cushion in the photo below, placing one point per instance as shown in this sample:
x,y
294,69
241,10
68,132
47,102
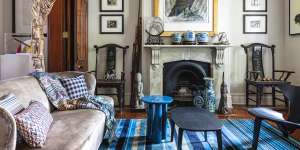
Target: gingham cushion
x,y
11,104
33,124
75,87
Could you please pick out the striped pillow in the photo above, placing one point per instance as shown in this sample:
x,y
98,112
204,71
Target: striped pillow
x,y
11,104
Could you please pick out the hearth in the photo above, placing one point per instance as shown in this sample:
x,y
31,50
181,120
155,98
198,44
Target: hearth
x,y
185,79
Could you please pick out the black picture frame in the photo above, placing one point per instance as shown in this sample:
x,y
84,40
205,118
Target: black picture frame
x,y
107,10
111,15
252,15
290,33
246,10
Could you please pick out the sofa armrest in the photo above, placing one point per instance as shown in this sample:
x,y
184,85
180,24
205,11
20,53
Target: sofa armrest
x,y
89,78
8,130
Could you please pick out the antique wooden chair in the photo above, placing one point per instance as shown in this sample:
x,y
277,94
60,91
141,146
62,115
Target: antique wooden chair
x,y
257,78
110,79
287,126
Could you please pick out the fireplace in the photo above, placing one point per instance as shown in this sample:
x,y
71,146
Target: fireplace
x,y
185,79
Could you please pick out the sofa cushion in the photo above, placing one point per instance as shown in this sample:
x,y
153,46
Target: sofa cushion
x,y
73,130
25,89
53,88
11,104
34,123
76,87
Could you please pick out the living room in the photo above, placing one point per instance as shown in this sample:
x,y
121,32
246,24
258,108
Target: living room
x,y
149,74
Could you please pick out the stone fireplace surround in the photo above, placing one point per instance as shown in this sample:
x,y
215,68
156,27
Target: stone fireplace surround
x,y
183,79
163,54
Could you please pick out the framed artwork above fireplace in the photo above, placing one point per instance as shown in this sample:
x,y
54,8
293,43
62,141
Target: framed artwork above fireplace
x,y
184,15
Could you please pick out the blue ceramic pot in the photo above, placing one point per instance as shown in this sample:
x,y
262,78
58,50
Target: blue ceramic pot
x,y
176,38
211,96
189,36
202,37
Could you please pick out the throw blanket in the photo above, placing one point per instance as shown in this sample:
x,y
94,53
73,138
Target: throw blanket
x,y
56,95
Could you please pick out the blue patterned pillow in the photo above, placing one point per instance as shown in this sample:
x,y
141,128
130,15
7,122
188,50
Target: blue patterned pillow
x,y
11,104
34,123
75,87
54,89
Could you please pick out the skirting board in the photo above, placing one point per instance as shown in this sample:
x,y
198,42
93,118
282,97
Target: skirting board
x,y
240,99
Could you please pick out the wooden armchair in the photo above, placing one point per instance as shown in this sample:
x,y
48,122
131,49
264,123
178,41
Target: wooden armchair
x,y
256,77
110,79
287,126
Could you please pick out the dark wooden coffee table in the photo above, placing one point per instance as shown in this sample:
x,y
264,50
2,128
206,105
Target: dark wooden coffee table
x,y
195,119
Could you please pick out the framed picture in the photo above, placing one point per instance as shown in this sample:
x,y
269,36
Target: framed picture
x,y
111,24
255,24
184,15
294,17
255,5
21,13
112,5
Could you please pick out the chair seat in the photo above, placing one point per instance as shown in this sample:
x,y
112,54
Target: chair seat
x,y
266,113
266,83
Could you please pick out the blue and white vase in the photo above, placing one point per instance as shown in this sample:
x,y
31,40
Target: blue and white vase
x,y
189,36
211,96
202,38
176,38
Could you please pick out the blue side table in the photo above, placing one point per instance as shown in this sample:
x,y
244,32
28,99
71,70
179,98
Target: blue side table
x,y
157,117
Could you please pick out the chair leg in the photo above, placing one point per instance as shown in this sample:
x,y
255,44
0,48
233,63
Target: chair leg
x,y
257,124
219,138
172,129
180,134
205,136
258,96
247,94
273,96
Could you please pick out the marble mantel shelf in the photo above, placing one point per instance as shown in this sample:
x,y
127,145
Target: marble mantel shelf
x,y
219,55
187,46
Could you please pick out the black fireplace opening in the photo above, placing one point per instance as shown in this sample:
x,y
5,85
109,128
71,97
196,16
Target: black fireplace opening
x,y
183,80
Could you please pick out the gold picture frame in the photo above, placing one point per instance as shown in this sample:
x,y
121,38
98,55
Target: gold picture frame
x,y
156,11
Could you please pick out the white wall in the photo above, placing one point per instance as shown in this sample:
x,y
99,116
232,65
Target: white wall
x,y
292,49
231,21
5,21
95,38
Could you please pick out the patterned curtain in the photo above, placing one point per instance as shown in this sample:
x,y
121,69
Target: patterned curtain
x,y
40,11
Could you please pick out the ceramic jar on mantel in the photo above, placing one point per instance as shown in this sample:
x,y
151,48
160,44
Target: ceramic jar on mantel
x,y
176,38
211,96
189,37
202,38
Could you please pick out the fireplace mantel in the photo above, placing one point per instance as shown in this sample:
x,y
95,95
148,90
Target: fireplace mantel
x,y
216,55
217,49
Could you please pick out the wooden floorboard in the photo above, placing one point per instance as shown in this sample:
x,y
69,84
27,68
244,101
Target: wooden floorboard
x,y
239,112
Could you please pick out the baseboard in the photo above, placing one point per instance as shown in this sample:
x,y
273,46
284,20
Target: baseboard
x,y
240,99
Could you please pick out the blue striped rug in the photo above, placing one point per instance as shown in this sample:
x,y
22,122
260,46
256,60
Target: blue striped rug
x,y
236,135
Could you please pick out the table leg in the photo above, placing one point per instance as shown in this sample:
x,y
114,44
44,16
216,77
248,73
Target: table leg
x,y
157,124
180,134
205,136
172,129
149,121
164,120
219,138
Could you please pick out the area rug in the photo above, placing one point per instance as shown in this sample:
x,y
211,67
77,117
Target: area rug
x,y
236,135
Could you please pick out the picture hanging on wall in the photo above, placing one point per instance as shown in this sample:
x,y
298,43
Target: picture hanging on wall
x,y
187,15
111,5
255,24
294,17
111,24
255,6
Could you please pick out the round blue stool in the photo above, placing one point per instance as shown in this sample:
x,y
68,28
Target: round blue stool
x,y
157,117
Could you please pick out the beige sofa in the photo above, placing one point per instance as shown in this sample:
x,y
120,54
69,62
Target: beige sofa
x,y
71,130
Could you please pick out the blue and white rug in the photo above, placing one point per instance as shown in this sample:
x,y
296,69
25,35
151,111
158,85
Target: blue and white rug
x,y
236,135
